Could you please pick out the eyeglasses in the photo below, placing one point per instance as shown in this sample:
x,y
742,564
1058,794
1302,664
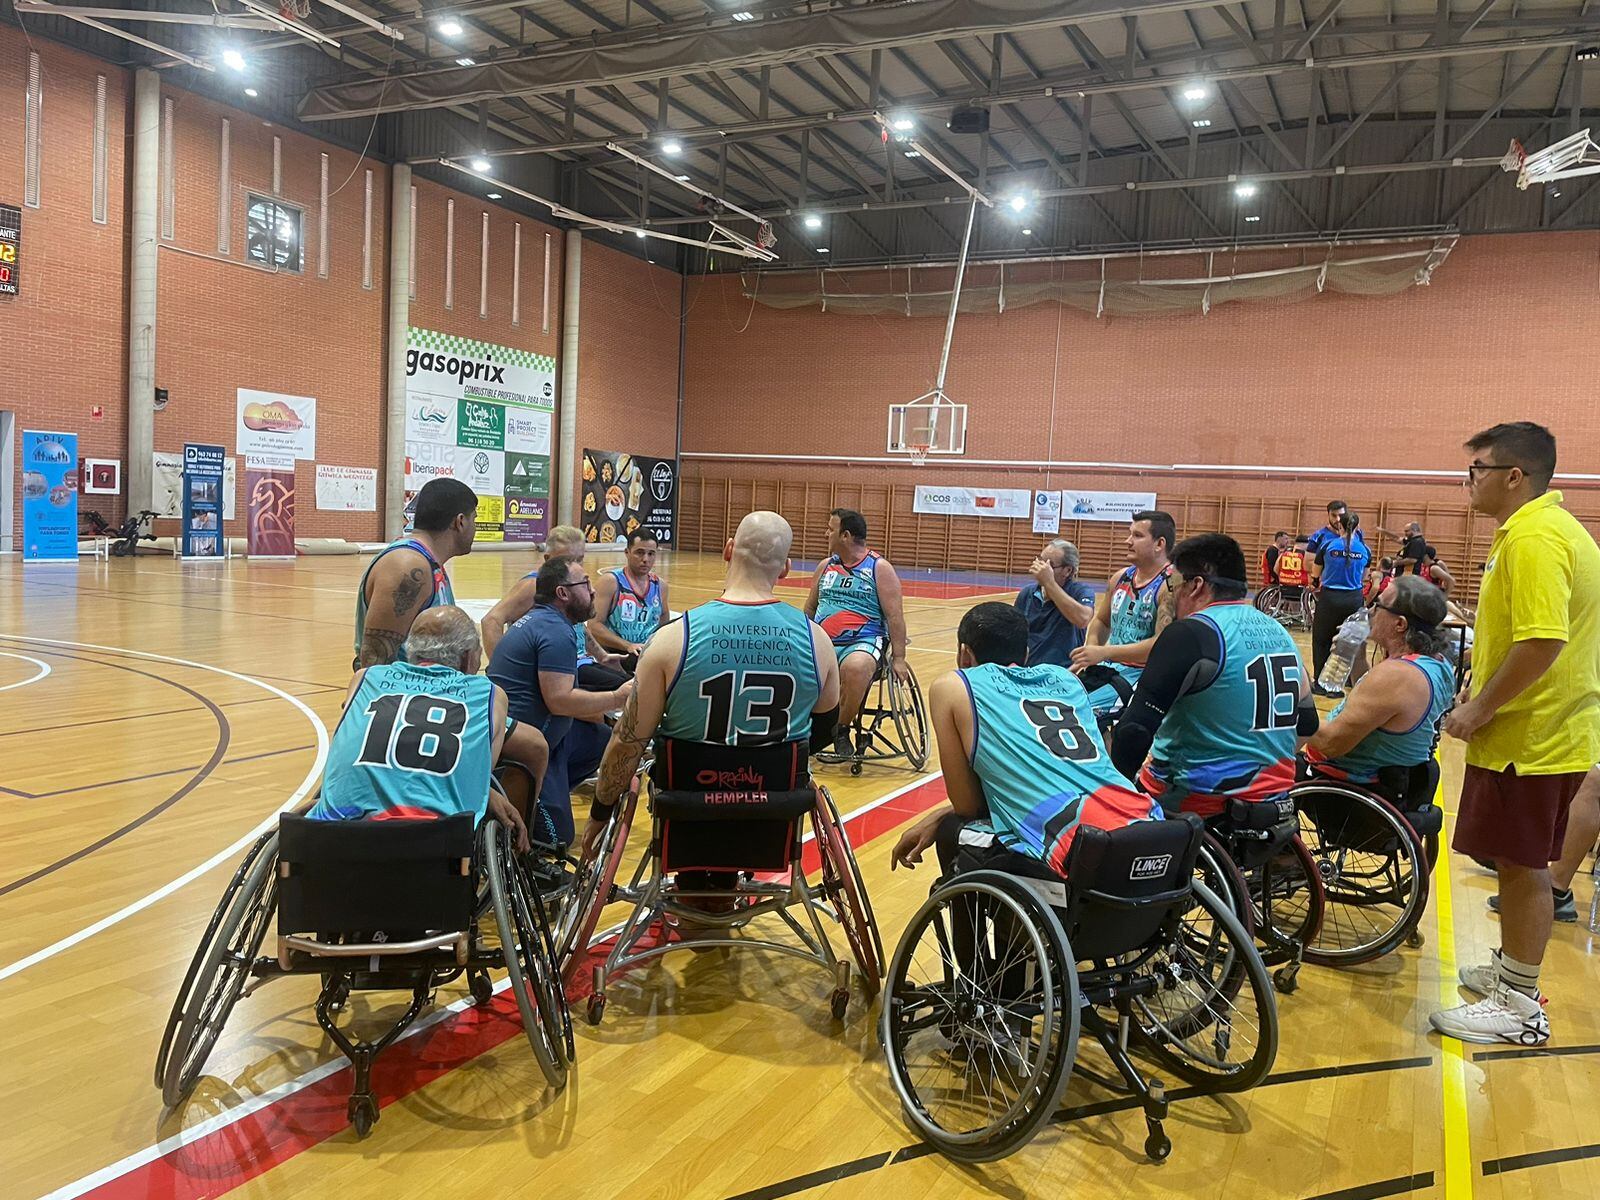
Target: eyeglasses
x,y
578,583
1472,471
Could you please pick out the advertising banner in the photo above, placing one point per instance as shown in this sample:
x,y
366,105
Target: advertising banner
x,y
1104,506
973,502
272,425
202,501
624,492
482,413
167,500
49,497
269,487
1047,512
347,489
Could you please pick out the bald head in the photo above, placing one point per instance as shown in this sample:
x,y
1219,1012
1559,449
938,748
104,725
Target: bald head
x,y
446,636
761,545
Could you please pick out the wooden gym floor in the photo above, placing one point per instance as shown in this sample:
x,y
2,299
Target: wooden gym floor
x,y
153,715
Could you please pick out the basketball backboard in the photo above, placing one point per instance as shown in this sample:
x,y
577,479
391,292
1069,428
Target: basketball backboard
x,y
930,424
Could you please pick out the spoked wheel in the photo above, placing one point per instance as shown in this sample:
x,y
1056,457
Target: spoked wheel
x,y
533,976
1215,868
1373,870
591,890
1286,894
980,1020
1211,1017
910,718
219,970
847,892
1269,600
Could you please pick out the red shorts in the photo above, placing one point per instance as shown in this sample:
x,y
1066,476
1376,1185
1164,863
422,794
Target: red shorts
x,y
1519,819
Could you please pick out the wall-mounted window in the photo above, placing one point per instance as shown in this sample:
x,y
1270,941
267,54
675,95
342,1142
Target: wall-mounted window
x,y
274,234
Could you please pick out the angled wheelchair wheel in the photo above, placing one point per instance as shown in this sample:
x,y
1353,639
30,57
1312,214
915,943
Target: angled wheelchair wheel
x,y
847,892
1287,899
592,888
980,1017
910,718
219,971
1373,869
534,981
1215,868
1204,1007
1269,600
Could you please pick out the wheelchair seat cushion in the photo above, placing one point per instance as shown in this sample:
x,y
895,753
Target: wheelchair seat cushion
x,y
1258,816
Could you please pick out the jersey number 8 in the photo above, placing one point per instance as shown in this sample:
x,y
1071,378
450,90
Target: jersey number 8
x,y
423,736
1061,730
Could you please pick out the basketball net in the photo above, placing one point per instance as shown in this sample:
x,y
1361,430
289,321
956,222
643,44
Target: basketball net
x,y
294,10
919,454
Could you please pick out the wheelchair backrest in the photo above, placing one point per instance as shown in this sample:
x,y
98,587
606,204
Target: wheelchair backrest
x,y
683,766
730,831
344,877
1256,830
1410,788
1123,884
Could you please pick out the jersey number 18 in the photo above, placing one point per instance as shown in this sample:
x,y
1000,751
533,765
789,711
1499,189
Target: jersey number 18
x,y
414,733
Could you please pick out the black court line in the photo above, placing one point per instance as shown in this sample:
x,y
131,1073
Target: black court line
x,y
224,733
1384,1187
874,1162
102,783
165,712
1540,1158
1534,1052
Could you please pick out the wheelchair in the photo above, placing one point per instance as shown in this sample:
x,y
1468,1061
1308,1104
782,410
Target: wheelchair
x,y
1252,857
371,906
752,839
997,975
891,725
1293,607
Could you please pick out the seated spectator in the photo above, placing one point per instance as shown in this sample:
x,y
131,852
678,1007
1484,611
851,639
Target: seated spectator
x,y
1057,605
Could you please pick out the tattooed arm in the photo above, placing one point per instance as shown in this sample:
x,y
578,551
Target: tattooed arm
x,y
633,732
398,588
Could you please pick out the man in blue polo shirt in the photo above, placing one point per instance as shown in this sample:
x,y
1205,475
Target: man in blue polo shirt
x,y
536,662
1327,533
1057,604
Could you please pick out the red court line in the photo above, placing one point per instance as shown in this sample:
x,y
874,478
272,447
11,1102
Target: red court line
x,y
924,589
222,1159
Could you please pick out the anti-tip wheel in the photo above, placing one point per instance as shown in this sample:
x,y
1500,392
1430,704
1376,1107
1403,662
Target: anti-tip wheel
x,y
1286,980
839,1003
595,1009
855,768
481,987
1157,1147
1416,941
363,1115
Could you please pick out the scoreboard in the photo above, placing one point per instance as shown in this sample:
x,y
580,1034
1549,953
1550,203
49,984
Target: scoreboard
x,y
10,248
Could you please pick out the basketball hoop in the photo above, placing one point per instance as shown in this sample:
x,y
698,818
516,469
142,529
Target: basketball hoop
x,y
294,10
1513,159
1577,154
919,453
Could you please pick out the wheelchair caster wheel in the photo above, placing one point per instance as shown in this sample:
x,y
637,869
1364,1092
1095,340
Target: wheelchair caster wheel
x,y
1416,940
839,1003
1287,979
855,768
363,1114
1157,1146
482,989
595,1009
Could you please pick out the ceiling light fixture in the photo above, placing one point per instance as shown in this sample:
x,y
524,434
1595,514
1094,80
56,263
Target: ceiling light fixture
x,y
822,250
1245,190
1203,123
251,92
913,153
450,27
233,60
465,61
494,195
1027,233
1196,91
681,178
1252,218
744,16
638,233
813,221
672,146
481,165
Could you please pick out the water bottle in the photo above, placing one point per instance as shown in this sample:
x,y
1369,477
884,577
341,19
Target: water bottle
x,y
1347,643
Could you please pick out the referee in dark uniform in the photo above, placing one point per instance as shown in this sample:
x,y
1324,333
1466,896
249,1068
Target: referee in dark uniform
x,y
1342,566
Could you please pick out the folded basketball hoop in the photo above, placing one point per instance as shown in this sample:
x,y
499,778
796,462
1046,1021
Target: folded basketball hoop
x,y
1574,155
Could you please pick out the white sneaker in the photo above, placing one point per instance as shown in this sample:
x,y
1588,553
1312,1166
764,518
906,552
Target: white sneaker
x,y
1480,980
1504,1015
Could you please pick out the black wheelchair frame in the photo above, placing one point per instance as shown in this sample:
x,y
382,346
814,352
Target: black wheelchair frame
x,y
892,723
1130,948
371,906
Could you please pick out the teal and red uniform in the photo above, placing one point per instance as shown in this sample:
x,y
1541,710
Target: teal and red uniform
x,y
1383,748
1045,772
442,593
633,617
1134,607
848,608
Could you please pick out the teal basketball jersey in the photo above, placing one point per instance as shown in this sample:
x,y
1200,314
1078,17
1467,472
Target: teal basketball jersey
x,y
1037,751
414,741
1134,608
848,608
748,676
1381,748
1233,737
442,592
634,617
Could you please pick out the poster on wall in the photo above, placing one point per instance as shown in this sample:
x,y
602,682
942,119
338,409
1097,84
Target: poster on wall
x,y
167,486
273,425
1047,512
1104,506
269,511
481,413
10,250
49,497
624,492
202,501
973,502
347,489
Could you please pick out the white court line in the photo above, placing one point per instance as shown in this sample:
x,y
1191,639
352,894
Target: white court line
x,y
188,877
44,669
255,1104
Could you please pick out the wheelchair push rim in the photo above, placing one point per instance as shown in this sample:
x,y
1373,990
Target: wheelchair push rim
x,y
218,971
533,978
910,717
591,890
1213,1021
1286,894
1373,870
847,891
980,1055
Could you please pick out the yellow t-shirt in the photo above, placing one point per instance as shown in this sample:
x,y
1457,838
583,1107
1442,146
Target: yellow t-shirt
x,y
1542,580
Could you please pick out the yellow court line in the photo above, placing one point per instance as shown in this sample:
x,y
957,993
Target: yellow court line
x,y
1458,1163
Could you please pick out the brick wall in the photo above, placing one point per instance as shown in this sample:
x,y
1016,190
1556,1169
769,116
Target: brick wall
x,y
627,355
65,338
1509,329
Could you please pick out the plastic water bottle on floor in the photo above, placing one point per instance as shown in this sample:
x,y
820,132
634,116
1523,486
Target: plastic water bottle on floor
x,y
1347,644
